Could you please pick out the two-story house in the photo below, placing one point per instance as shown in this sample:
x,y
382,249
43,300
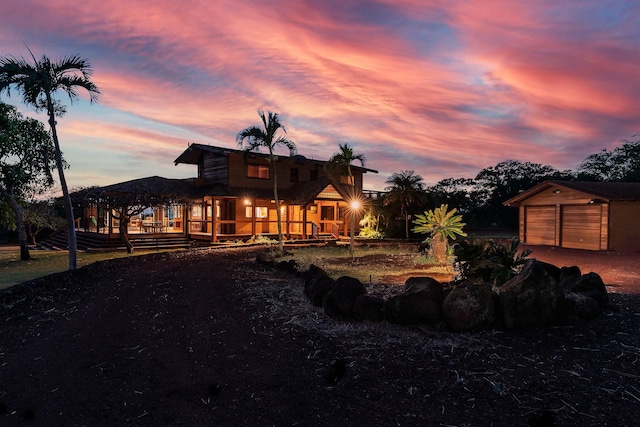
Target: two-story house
x,y
232,198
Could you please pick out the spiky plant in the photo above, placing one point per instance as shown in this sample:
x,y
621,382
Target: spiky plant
x,y
440,224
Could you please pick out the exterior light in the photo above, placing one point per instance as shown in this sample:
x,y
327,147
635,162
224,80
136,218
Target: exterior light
x,y
247,202
354,204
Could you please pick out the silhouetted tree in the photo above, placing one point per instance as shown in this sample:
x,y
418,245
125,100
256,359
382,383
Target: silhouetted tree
x,y
38,82
505,180
26,162
405,189
620,164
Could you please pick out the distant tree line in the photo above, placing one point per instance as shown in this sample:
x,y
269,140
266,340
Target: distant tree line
x,y
480,199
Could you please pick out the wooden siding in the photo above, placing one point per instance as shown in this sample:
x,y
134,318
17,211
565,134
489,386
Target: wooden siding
x,y
581,227
540,225
215,169
624,228
237,172
557,196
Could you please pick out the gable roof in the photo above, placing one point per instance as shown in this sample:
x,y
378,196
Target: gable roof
x,y
193,153
604,191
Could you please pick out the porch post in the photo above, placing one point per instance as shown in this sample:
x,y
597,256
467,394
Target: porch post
x,y
304,221
110,222
288,223
345,221
185,219
253,217
214,220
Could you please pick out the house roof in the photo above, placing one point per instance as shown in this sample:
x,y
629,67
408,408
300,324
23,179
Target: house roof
x,y
193,153
302,193
604,191
149,186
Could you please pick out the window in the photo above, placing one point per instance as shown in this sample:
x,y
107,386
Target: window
x,y
313,175
258,171
293,175
261,212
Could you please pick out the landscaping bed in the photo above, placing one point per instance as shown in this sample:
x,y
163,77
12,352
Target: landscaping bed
x,y
211,337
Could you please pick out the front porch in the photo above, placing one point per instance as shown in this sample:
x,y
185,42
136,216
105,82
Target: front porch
x,y
235,218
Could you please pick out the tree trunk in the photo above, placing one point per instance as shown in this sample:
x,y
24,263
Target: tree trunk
x,y
439,249
22,233
278,216
406,223
124,235
71,229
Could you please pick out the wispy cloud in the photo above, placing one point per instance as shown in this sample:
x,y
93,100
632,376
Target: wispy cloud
x,y
444,88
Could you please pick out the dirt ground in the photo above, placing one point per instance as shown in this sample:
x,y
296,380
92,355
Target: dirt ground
x,y
210,337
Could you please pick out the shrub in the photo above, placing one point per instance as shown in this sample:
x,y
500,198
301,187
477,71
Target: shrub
x,y
369,227
489,260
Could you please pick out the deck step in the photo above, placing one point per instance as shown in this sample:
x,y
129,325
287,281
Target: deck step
x,y
92,242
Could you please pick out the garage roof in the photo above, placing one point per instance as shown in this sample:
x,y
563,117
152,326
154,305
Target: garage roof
x,y
605,191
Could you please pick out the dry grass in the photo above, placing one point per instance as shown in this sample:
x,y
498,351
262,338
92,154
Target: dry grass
x,y
398,260
282,300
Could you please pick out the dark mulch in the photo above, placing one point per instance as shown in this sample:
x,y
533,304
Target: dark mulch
x,y
213,338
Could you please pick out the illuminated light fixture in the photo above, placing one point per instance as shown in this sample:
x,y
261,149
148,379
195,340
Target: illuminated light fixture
x,y
247,202
592,201
556,191
355,204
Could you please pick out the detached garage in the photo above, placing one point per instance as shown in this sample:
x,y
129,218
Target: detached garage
x,y
602,216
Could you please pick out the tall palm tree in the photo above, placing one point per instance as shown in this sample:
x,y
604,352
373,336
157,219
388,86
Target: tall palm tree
x,y
404,188
342,161
38,82
257,138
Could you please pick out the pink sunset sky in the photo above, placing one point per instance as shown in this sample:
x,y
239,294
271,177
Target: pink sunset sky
x,y
442,87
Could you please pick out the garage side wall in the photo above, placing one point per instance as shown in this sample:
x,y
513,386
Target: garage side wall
x,y
624,230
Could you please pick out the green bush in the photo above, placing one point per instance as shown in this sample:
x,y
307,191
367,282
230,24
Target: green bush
x,y
489,260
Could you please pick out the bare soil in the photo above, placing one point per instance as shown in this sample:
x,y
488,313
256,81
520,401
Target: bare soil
x,y
210,337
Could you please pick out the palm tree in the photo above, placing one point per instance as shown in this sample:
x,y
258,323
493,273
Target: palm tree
x,y
342,161
257,138
38,82
441,225
404,188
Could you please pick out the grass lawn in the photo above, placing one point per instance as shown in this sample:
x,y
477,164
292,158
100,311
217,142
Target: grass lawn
x,y
368,264
42,263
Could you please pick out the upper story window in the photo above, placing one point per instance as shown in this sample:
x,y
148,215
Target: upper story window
x,y
313,175
258,171
293,175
